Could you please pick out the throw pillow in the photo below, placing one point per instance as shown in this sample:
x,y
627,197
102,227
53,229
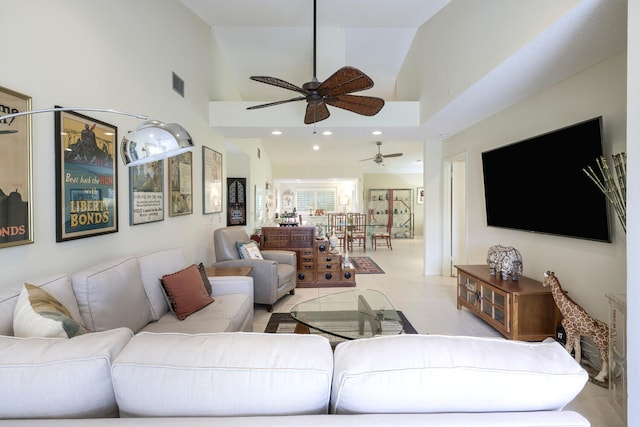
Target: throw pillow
x,y
185,291
249,250
205,279
40,314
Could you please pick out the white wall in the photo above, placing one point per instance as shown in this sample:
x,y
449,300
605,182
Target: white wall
x,y
117,54
633,209
587,270
245,163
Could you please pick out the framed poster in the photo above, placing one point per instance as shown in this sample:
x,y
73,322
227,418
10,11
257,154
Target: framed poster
x,y
180,184
86,176
16,213
259,204
211,181
146,195
236,201
420,195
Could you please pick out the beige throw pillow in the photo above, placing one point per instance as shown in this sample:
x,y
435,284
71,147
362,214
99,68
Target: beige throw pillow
x,y
40,314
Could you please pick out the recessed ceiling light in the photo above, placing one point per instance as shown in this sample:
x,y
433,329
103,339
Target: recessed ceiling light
x,y
376,132
276,132
316,147
327,133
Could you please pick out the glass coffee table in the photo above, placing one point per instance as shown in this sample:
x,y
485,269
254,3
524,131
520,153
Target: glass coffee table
x,y
353,314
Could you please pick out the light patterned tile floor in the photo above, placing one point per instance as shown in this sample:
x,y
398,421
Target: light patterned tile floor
x,y
429,304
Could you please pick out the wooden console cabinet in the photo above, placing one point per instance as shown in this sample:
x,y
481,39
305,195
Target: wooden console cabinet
x,y
317,267
522,310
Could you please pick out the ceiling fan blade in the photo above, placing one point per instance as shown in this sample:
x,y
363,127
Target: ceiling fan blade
x,y
345,80
392,155
271,104
316,111
364,160
280,83
365,105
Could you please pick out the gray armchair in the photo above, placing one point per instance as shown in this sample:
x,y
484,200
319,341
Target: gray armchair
x,y
273,277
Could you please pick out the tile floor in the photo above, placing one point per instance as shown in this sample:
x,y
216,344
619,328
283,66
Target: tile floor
x,y
429,304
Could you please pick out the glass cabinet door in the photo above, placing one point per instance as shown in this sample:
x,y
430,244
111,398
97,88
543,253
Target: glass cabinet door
x,y
467,289
494,304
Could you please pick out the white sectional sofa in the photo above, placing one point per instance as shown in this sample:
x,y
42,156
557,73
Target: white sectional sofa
x,y
141,366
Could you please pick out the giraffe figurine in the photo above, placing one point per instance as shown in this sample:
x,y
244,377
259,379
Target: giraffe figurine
x,y
577,322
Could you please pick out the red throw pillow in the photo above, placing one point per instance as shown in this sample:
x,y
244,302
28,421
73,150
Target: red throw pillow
x,y
185,291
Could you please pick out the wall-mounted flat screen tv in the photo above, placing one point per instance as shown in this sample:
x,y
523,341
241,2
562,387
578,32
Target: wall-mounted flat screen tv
x,y
538,184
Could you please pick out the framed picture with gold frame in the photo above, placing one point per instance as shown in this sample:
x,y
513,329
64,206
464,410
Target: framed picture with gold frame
x,y
86,176
16,195
211,181
180,184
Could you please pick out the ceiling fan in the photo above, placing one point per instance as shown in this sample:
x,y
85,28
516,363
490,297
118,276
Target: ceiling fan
x,y
334,91
379,158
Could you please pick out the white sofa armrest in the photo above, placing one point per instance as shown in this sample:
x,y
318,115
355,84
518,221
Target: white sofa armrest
x,y
225,285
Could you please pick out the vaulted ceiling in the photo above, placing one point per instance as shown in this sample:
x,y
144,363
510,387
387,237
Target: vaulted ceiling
x,y
380,37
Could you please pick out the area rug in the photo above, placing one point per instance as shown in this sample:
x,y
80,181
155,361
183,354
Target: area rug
x,y
365,265
283,323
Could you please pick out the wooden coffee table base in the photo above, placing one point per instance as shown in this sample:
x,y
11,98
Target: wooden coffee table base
x,y
301,328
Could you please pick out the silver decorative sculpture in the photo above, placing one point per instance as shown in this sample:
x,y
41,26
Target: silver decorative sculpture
x,y
505,261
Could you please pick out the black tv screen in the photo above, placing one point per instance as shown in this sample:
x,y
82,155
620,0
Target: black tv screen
x,y
538,184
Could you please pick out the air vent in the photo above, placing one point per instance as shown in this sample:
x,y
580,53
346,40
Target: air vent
x,y
178,84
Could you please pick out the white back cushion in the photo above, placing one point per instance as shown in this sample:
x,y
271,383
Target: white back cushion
x,y
430,373
111,296
152,267
59,286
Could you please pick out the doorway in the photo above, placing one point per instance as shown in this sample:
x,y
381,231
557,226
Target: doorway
x,y
454,247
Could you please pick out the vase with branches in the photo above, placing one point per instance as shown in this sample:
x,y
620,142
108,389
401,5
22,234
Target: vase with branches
x,y
613,185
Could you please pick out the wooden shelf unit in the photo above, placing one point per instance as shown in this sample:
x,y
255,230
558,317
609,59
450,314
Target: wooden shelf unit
x,y
618,353
522,310
393,207
317,268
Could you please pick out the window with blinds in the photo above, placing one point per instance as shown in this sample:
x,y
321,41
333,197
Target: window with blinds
x,y
316,198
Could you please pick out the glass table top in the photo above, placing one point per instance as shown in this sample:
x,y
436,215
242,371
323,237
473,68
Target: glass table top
x,y
353,314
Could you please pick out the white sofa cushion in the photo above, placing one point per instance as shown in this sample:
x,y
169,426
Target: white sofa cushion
x,y
59,377
226,314
225,374
111,296
58,286
153,266
430,373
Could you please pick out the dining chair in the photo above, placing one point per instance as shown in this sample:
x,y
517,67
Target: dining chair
x,y
357,234
385,236
338,227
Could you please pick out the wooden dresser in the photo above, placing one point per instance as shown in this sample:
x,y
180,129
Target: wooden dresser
x,y
522,310
316,266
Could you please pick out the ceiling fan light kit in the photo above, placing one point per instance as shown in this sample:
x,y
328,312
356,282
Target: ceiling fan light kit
x,y
379,158
334,91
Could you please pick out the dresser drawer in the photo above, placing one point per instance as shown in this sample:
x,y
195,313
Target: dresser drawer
x,y
306,276
328,276
328,266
